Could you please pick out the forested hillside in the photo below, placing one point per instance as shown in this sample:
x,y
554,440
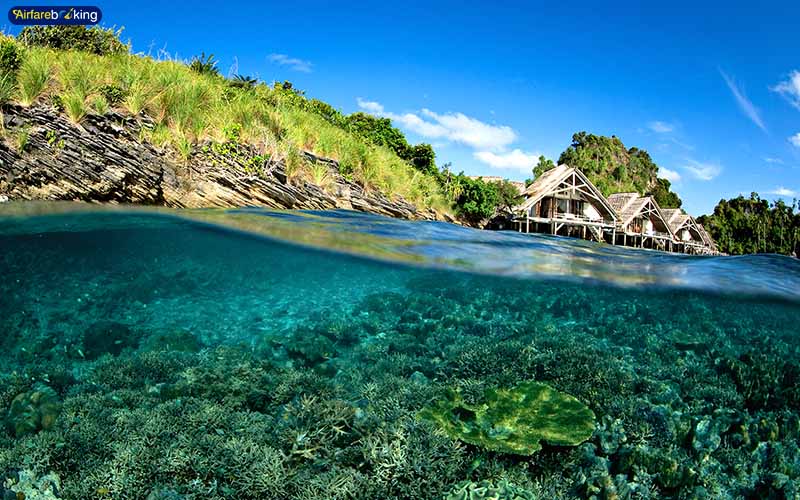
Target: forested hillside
x,y
753,225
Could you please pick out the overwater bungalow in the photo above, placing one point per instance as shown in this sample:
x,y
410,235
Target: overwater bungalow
x,y
689,235
641,222
563,201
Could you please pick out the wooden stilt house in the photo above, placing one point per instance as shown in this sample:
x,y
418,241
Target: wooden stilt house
x,y
563,201
642,223
689,237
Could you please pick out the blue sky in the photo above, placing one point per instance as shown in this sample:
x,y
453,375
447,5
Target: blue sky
x,y
711,90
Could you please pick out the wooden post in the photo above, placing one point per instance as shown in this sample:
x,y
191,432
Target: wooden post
x,y
527,224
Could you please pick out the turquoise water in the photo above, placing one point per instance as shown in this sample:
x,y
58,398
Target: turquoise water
x,y
257,354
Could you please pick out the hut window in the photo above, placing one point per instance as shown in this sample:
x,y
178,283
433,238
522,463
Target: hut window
x,y
562,206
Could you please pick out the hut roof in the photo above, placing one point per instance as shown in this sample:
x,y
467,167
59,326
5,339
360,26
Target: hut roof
x,y
561,179
631,205
706,236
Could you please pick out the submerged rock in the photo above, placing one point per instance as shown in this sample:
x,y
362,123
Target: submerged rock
x,y
33,411
515,420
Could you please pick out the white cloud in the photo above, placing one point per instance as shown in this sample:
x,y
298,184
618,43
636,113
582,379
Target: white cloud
x,y
774,160
454,127
373,107
660,127
670,175
291,62
516,159
795,139
782,191
703,171
790,89
744,103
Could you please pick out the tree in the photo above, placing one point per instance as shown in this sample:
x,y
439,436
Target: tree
x,y
424,158
663,196
543,166
508,195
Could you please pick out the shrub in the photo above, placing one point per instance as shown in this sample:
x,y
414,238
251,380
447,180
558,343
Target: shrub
x,y
204,65
113,94
243,82
10,56
96,40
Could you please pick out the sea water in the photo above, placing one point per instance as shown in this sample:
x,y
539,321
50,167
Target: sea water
x,y
279,354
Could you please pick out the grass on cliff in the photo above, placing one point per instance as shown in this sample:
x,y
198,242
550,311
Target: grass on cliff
x,y
190,107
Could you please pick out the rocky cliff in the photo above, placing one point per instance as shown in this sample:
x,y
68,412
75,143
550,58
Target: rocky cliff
x,y
43,156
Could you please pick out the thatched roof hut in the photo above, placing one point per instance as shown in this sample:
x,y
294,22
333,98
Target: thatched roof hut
x,y
642,222
565,201
688,232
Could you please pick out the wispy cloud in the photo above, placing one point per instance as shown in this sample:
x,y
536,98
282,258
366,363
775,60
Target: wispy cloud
x,y
790,89
782,191
660,127
516,159
776,161
704,171
454,127
491,143
291,62
747,107
795,140
670,175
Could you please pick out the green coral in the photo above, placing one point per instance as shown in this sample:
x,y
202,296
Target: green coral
x,y
33,411
504,490
515,420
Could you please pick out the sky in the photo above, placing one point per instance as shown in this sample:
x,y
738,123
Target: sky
x,y
711,90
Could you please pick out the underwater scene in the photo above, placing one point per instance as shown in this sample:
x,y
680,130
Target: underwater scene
x,y
253,354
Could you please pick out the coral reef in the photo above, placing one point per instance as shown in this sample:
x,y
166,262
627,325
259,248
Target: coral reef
x,y
515,420
33,411
504,490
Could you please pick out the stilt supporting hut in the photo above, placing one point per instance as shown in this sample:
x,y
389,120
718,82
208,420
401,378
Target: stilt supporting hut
x,y
563,201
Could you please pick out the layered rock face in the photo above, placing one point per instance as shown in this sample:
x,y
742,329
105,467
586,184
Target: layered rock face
x,y
43,156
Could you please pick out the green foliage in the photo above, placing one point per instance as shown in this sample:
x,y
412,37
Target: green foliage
x,y
508,195
543,166
423,158
753,225
515,420
379,131
112,93
663,195
476,200
613,168
11,56
486,490
95,40
243,82
205,65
